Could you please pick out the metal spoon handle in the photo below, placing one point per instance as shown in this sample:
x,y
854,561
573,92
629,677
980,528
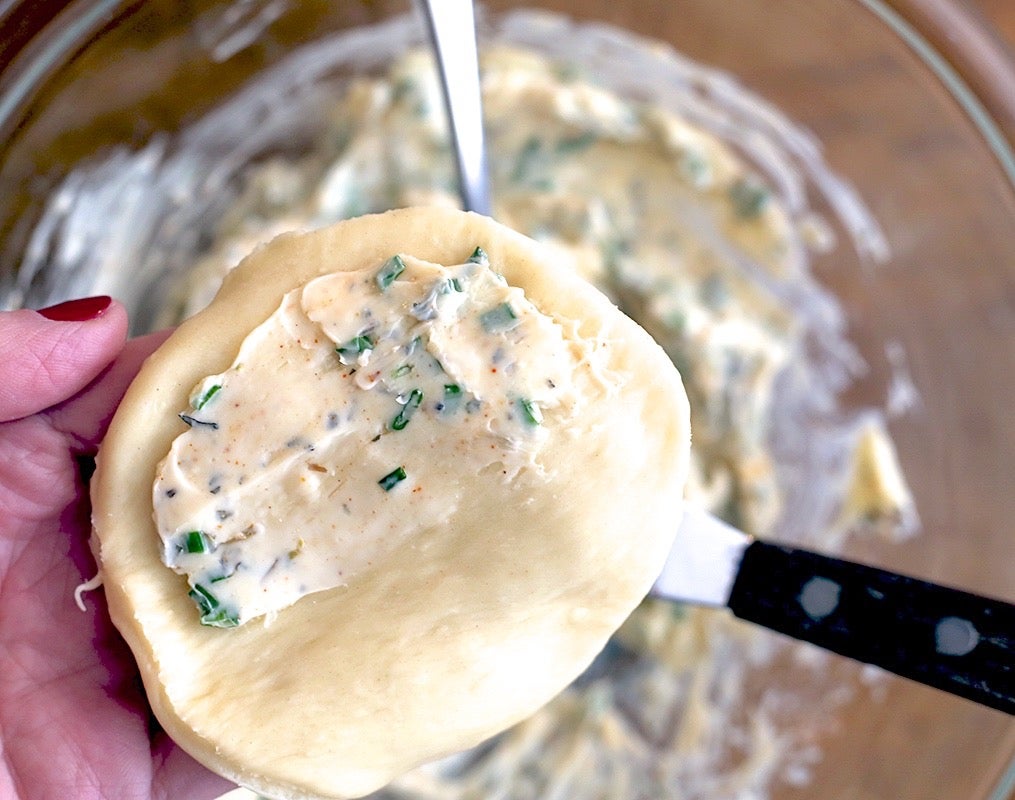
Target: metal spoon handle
x,y
452,29
946,638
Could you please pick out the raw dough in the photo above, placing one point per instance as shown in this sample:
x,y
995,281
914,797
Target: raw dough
x,y
460,633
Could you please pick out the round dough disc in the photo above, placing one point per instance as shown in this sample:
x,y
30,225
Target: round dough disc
x,y
446,643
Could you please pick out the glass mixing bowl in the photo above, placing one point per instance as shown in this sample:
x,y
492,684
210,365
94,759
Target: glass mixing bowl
x,y
911,101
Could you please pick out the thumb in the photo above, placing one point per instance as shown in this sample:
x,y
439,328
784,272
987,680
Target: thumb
x,y
48,356
85,417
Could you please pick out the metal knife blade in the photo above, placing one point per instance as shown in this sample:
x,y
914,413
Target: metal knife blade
x,y
703,561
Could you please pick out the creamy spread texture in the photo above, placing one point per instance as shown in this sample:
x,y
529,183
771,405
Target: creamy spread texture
x,y
343,427
657,213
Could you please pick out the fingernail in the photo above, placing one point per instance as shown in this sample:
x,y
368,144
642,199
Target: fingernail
x,y
78,310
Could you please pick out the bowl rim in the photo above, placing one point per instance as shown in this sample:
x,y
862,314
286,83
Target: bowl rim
x,y
967,53
955,41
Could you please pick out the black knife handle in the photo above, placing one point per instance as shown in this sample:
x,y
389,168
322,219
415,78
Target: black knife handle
x,y
946,638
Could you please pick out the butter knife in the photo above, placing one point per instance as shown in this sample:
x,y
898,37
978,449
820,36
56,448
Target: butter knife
x,y
950,639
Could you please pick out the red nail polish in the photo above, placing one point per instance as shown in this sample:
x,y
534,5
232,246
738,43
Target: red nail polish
x,y
78,310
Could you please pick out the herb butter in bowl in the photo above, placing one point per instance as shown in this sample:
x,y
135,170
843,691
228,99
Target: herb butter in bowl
x,y
392,491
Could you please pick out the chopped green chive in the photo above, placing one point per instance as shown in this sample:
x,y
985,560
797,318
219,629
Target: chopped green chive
x,y
400,421
351,349
479,256
615,251
531,165
749,198
406,91
696,169
568,73
452,398
713,292
448,286
403,88
203,400
392,268
575,144
205,600
222,618
530,149
396,476
213,613
196,542
531,413
405,369
676,321
499,318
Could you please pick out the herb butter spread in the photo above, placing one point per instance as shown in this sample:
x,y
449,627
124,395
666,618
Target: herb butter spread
x,y
447,476
343,427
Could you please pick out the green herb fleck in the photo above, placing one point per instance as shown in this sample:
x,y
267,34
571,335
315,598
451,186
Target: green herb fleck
x,y
749,198
222,618
205,600
406,91
204,399
402,419
392,268
396,476
213,613
196,542
351,349
402,89
696,169
452,398
615,251
499,318
531,413
714,293
568,73
403,370
448,286
531,166
575,144
676,321
479,256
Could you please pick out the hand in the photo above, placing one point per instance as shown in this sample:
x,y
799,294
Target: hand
x,y
74,721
